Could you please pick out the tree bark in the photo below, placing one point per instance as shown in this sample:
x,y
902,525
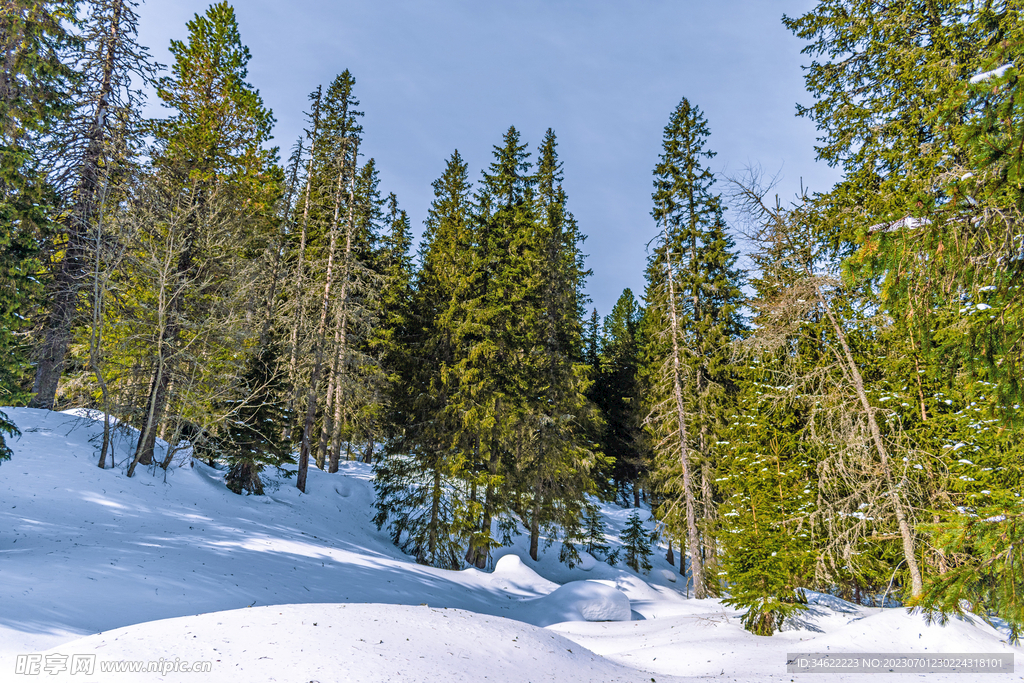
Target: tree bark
x,y
693,540
535,519
902,521
311,402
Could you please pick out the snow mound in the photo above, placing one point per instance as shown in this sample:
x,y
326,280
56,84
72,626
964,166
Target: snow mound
x,y
355,642
577,601
587,561
511,574
667,575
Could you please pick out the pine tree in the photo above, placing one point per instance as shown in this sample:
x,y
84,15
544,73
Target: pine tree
x,y
7,427
636,544
824,354
555,464
594,538
253,440
770,489
390,339
618,395
331,222
499,310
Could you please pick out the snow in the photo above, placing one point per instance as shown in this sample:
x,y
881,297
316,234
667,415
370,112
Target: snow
x,y
577,601
361,642
908,222
994,73
300,587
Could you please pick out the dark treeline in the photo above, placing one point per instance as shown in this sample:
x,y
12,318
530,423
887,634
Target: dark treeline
x,y
844,417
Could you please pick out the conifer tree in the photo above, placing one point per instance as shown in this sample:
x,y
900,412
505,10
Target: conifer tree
x,y
35,83
636,544
808,318
556,463
618,395
7,427
391,338
88,150
769,487
693,299
253,440
330,243
499,309
594,538
212,151
419,481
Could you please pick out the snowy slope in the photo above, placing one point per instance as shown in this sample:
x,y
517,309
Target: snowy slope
x,y
84,550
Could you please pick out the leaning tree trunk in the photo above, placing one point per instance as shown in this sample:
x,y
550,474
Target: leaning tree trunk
x,y
902,520
693,538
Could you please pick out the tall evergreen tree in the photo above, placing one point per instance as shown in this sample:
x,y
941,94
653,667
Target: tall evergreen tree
x,y
331,183
419,482
35,83
554,468
211,150
693,298
498,309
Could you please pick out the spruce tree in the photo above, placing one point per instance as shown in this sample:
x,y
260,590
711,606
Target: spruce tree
x,y
594,539
419,481
769,487
636,544
330,246
253,440
693,299
498,310
211,150
35,83
555,464
619,398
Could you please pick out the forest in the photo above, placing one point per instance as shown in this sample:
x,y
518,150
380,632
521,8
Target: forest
x,y
844,416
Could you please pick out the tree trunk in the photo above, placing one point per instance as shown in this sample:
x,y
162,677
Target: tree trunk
x,y
435,513
311,404
166,352
906,532
535,519
693,540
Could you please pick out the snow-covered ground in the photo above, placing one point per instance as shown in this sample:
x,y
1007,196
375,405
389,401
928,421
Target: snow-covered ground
x,y
302,587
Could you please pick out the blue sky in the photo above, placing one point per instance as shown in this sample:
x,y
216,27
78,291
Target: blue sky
x,y
433,76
